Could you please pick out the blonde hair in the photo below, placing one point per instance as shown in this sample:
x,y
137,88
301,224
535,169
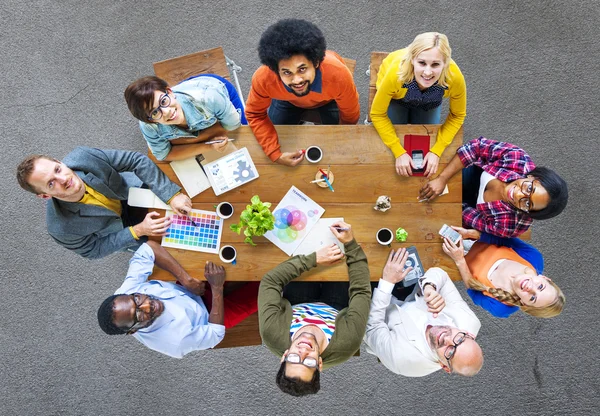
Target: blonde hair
x,y
548,311
423,42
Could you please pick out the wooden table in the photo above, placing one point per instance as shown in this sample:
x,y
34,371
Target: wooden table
x,y
364,169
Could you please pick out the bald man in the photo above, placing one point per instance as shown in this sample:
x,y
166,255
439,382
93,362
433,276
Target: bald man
x,y
433,329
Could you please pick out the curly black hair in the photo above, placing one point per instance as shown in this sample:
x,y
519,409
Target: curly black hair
x,y
289,37
295,386
105,317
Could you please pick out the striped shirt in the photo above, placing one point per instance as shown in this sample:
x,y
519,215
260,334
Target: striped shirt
x,y
318,314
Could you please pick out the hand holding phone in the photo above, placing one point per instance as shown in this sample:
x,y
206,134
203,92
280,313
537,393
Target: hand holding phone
x,y
450,234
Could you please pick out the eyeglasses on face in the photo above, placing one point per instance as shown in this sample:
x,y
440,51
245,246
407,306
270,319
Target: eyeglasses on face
x,y
138,316
164,101
527,188
295,359
451,350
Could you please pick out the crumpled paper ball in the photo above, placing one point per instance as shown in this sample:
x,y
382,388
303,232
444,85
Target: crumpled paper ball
x,y
401,235
383,203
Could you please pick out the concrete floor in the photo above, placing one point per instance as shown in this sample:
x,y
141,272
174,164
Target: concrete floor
x,y
531,72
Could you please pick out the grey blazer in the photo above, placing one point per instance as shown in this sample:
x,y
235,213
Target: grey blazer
x,y
94,231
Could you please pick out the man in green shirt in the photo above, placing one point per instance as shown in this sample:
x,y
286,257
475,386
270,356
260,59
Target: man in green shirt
x,y
314,325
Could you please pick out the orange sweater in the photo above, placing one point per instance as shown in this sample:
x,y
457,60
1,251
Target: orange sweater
x,y
337,84
482,257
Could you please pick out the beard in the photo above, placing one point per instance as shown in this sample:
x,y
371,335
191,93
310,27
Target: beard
x,y
302,94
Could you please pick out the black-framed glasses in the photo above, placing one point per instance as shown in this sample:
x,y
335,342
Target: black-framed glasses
x,y
527,188
138,316
451,350
295,359
164,101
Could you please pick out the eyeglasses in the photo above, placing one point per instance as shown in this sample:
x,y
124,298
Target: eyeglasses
x,y
451,350
527,188
164,101
138,316
295,359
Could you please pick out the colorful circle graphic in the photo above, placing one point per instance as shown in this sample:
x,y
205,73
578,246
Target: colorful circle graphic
x,y
289,222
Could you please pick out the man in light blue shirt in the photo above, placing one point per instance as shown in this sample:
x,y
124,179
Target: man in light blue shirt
x,y
166,317
199,108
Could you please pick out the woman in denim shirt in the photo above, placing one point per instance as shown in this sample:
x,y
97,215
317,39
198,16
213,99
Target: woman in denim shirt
x,y
199,108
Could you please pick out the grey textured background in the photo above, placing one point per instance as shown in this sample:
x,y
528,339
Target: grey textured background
x,y
531,69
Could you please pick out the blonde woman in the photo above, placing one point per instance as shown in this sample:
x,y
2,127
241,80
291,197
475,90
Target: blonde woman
x,y
411,84
504,275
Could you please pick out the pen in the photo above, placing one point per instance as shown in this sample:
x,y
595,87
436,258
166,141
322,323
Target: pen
x,y
324,174
329,184
218,141
317,180
342,228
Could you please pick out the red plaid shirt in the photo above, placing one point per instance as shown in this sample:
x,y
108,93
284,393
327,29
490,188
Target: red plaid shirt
x,y
506,162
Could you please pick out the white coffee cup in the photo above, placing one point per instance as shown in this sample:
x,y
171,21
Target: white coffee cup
x,y
225,254
314,149
382,239
227,207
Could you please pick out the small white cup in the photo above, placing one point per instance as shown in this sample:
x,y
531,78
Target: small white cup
x,y
228,258
317,159
224,205
389,241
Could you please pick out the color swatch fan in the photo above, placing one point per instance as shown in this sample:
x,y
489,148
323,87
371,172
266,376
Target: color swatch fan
x,y
205,236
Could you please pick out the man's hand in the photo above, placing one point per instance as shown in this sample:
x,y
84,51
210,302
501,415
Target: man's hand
x,y
197,287
220,147
328,255
404,165
431,161
181,204
152,226
432,188
467,233
291,159
454,251
342,231
215,275
435,301
394,270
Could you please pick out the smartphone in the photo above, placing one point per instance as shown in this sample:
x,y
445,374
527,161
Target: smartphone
x,y
450,234
417,157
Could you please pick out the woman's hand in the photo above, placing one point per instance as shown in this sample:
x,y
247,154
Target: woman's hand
x,y
454,251
431,162
404,165
467,233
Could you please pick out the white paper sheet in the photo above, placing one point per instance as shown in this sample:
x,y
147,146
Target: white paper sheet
x,y
295,216
191,176
145,198
319,236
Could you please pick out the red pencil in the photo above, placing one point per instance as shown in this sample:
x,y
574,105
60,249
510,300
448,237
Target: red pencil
x,y
324,174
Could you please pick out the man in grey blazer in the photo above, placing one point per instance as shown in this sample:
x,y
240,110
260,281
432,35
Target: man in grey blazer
x,y
87,193
433,329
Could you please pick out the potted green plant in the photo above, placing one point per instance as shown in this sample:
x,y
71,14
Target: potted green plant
x,y
257,218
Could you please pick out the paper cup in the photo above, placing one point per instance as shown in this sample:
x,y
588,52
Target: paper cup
x,y
314,154
228,254
225,210
384,236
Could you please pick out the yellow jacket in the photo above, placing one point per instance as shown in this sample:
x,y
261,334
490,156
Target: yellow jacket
x,y
388,88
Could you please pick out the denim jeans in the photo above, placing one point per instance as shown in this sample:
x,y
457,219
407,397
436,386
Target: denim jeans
x,y
334,294
399,114
282,112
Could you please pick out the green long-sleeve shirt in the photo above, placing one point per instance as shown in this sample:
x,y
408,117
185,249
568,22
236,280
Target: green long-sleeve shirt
x,y
275,312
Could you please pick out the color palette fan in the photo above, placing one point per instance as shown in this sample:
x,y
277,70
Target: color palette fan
x,y
205,236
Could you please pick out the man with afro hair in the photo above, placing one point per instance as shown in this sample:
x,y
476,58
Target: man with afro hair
x,y
297,74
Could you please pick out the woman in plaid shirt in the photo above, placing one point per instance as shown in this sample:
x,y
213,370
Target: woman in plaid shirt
x,y
503,190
